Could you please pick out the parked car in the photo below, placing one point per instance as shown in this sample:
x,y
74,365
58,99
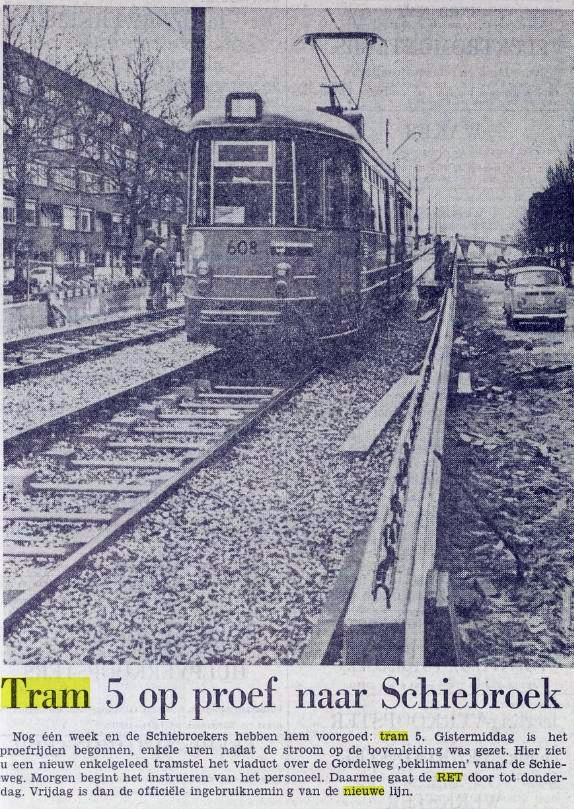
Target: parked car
x,y
535,294
531,261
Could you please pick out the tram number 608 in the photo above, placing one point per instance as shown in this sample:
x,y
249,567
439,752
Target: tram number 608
x,y
241,248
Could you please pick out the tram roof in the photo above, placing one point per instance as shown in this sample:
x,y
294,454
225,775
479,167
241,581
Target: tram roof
x,y
294,117
299,118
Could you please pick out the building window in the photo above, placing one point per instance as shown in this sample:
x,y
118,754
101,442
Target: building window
x,y
30,213
89,146
9,171
54,95
69,217
25,84
111,186
117,224
104,118
166,202
88,183
62,138
164,230
38,173
9,211
8,119
50,216
64,179
85,220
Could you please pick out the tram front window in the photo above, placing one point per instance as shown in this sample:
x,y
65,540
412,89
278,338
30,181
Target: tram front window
x,y
243,195
243,183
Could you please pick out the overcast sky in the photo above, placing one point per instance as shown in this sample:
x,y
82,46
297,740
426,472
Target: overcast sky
x,y
491,92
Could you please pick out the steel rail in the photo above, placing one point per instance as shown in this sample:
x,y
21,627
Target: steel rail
x,y
50,364
81,329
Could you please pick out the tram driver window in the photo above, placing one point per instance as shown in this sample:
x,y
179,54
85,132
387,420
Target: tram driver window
x,y
203,166
284,211
308,160
243,184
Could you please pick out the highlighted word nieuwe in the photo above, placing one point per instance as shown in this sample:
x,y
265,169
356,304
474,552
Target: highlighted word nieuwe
x,y
45,692
365,790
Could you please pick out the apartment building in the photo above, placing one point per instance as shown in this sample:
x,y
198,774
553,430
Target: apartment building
x,y
86,149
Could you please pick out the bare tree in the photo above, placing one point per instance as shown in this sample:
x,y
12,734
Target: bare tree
x,y
550,217
144,155
36,110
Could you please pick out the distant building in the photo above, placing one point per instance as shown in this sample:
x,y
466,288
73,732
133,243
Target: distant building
x,y
75,207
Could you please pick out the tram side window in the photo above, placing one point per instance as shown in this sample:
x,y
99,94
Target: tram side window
x,y
388,220
243,184
350,192
308,161
340,191
375,204
284,183
202,214
401,224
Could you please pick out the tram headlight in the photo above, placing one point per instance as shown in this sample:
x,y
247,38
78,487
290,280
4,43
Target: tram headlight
x,y
282,272
204,278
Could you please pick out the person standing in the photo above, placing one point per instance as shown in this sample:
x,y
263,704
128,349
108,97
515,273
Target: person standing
x,y
160,276
149,248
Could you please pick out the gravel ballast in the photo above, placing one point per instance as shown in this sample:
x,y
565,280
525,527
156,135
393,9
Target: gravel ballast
x,y
236,565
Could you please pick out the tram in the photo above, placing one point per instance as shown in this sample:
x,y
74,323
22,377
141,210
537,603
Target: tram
x,y
297,226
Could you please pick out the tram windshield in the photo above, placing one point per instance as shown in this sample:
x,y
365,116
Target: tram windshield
x,y
284,182
243,183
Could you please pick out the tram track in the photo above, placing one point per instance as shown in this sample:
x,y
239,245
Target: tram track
x,y
173,426
238,559
29,357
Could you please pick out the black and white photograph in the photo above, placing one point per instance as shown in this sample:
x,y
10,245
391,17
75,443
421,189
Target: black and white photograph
x,y
288,326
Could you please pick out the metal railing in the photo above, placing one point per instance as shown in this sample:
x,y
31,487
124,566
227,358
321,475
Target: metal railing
x,y
384,623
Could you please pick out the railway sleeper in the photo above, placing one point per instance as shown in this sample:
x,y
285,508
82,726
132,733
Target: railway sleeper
x,y
184,446
186,404
17,515
14,549
98,486
192,416
228,396
120,463
77,537
150,429
244,389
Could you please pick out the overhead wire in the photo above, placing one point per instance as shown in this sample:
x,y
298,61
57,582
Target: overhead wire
x,y
166,22
333,20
